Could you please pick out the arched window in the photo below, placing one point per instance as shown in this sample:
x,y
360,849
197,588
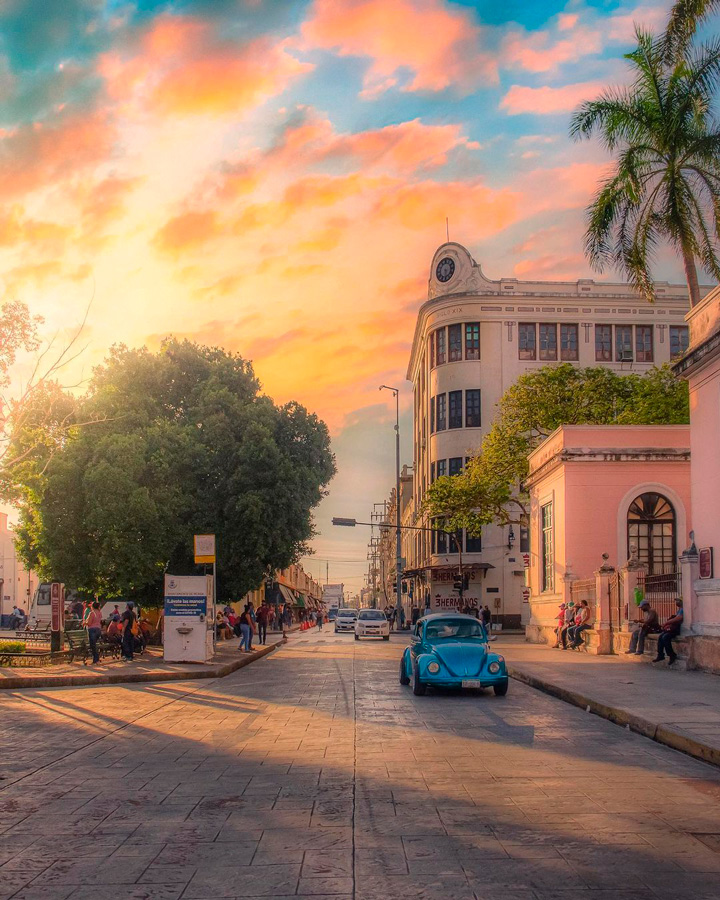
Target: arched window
x,y
651,528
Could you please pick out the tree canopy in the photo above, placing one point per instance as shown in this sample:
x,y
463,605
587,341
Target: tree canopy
x,y
665,186
489,488
179,442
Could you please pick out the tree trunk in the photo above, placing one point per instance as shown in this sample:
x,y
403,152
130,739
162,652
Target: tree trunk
x,y
692,278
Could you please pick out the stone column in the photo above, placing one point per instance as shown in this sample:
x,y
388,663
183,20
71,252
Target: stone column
x,y
602,606
689,570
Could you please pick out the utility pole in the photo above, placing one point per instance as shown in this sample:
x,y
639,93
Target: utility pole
x,y
398,533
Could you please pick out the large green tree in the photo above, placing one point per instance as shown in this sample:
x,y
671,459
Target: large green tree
x,y
180,442
489,490
665,186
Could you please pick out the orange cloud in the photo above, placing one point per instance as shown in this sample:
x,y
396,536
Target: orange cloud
x,y
186,231
41,154
16,229
549,100
182,67
105,201
540,51
441,47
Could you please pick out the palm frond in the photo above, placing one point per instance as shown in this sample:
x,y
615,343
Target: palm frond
x,y
685,16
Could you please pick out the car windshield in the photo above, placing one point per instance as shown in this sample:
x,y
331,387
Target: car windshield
x,y
345,613
452,628
371,614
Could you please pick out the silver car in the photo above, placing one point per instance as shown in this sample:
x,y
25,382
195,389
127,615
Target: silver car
x,y
345,620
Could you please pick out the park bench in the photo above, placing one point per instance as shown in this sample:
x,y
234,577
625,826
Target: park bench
x,y
36,638
79,646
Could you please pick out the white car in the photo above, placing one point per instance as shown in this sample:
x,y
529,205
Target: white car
x,y
345,620
372,623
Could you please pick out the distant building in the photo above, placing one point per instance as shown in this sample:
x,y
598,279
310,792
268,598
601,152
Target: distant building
x,y
17,585
473,338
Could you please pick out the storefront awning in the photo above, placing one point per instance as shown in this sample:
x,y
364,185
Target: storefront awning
x,y
305,601
287,595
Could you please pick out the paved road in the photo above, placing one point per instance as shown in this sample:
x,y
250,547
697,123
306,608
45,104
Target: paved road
x,y
313,773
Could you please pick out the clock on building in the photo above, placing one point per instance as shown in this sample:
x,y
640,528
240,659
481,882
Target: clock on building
x,y
445,269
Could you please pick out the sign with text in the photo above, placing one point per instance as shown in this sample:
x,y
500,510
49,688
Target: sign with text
x,y
57,606
204,545
186,595
705,562
526,595
186,606
526,560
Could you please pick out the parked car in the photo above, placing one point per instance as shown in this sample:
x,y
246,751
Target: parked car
x,y
372,623
345,620
451,650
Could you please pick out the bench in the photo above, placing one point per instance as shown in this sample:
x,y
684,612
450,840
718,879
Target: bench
x,y
78,645
34,638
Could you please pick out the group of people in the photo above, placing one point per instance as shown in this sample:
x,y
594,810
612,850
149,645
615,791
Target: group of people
x,y
126,629
251,622
650,624
573,619
395,616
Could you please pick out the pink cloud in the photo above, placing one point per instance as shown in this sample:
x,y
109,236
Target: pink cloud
x,y
440,47
540,52
549,100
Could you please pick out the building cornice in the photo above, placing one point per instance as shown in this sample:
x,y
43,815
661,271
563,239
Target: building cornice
x,y
610,454
698,357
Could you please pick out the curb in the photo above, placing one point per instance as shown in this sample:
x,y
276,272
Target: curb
x,y
129,677
662,734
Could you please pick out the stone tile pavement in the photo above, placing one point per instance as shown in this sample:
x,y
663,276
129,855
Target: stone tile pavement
x,y
681,709
313,774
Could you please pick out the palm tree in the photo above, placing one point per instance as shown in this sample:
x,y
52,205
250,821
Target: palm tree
x,y
665,186
685,16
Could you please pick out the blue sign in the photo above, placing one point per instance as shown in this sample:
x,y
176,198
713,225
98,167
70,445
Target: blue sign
x,y
186,606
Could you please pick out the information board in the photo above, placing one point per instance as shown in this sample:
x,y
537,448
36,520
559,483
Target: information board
x,y
186,606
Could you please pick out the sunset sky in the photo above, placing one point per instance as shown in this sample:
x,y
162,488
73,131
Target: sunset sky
x,y
273,177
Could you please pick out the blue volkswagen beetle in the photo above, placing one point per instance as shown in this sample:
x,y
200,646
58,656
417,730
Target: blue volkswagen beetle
x,y
451,650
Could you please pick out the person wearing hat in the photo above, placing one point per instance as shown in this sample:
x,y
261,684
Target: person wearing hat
x,y
567,623
560,622
649,625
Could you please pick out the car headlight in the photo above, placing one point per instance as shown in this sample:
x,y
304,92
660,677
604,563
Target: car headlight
x,y
433,667
494,667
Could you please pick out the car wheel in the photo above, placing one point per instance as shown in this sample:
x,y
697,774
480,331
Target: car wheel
x,y
419,687
501,689
386,637
404,680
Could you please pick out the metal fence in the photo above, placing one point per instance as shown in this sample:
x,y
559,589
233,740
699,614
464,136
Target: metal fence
x,y
661,591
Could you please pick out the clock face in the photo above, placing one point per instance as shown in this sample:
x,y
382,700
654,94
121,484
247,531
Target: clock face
x,y
445,269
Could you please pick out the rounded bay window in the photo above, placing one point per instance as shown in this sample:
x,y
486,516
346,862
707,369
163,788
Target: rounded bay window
x,y
651,528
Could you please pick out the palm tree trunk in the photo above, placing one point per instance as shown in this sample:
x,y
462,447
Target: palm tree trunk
x,y
692,278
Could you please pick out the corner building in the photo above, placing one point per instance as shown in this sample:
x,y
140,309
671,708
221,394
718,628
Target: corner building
x,y
473,338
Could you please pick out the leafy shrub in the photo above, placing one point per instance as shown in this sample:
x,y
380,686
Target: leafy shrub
x,y
12,646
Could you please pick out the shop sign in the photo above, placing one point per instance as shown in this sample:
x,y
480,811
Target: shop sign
x,y
526,560
705,562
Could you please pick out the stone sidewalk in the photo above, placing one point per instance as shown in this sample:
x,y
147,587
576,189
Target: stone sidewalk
x,y
680,709
150,667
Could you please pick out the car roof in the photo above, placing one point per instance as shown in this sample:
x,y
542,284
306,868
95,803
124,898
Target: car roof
x,y
448,615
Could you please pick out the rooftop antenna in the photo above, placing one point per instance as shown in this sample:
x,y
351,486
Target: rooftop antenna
x,y
447,229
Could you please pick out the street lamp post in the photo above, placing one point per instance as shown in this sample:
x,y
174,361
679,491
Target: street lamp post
x,y
398,539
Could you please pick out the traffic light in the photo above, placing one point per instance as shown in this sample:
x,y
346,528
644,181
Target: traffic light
x,y
457,585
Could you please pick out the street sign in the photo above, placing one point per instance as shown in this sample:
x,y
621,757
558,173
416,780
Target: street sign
x,y
204,548
526,560
346,523
57,607
526,595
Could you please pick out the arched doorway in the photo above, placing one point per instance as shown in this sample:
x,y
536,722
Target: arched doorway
x,y
651,528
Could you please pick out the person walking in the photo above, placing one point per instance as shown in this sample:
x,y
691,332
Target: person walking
x,y
129,620
319,620
670,630
649,625
93,623
262,616
415,615
246,630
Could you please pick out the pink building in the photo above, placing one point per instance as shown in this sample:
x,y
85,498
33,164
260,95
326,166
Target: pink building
x,y
701,367
603,494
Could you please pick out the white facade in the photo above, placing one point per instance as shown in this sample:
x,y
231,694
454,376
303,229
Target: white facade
x,y
478,335
18,585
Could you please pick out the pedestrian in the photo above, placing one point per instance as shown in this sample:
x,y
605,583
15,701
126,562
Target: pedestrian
x,y
262,616
15,618
582,623
319,620
427,607
77,608
670,630
246,630
649,625
129,620
93,623
115,632
87,609
287,617
487,618
415,615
